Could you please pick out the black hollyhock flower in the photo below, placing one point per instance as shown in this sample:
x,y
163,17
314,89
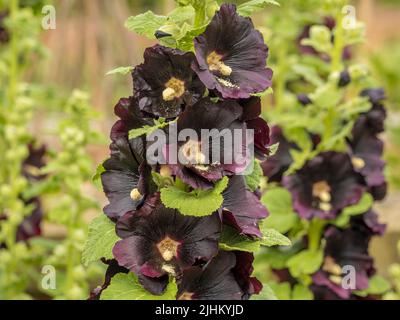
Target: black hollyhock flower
x,y
242,208
366,148
348,247
375,95
275,166
202,167
31,226
231,56
163,242
251,115
165,83
131,117
366,156
126,177
374,119
34,162
324,186
226,277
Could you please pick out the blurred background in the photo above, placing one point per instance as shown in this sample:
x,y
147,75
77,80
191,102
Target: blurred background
x,y
90,39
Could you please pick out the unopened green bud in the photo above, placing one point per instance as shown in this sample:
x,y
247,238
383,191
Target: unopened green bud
x,y
358,71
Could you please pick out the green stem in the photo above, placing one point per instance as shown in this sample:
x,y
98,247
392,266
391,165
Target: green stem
x,y
338,47
282,68
13,76
314,233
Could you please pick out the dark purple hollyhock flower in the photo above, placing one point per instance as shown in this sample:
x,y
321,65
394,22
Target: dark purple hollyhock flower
x,y
4,35
162,242
375,95
126,177
324,186
366,155
112,269
131,117
31,226
226,277
205,161
348,247
275,166
231,56
242,208
367,148
34,162
374,119
251,115
165,83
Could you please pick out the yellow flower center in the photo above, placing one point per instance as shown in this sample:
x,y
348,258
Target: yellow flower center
x,y
358,163
191,151
186,296
331,266
322,191
169,269
215,63
168,249
135,194
174,88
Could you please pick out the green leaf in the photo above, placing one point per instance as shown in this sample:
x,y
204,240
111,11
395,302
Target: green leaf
x,y
120,70
327,96
305,262
248,8
231,240
266,294
181,14
264,93
278,201
272,237
361,207
100,241
127,287
147,130
301,292
378,285
145,24
254,178
308,73
99,170
197,203
273,149
281,290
